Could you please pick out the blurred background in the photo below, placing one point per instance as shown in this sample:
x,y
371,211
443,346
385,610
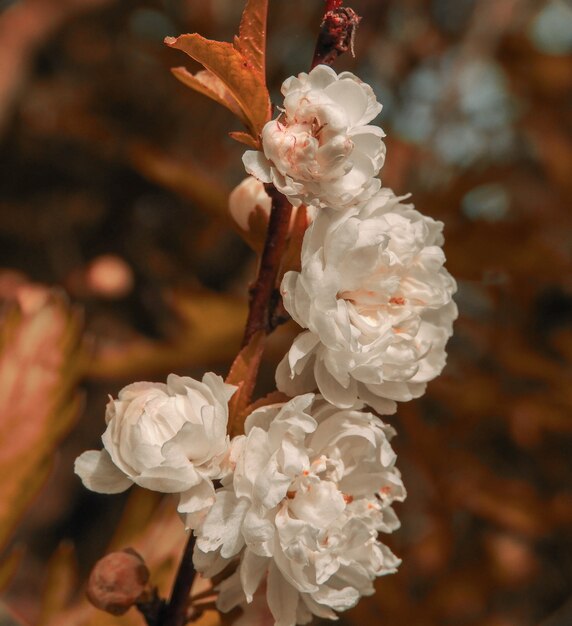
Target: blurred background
x,y
118,262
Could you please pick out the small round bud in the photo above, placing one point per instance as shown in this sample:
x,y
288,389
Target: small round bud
x,y
117,581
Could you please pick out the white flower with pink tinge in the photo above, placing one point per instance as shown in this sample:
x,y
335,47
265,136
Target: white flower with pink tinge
x,y
376,302
169,438
311,490
321,150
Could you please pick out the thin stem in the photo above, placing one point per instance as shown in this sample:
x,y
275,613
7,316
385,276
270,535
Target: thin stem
x,y
274,246
175,613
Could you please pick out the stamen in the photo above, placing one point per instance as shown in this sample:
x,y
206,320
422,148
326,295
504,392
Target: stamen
x,y
397,300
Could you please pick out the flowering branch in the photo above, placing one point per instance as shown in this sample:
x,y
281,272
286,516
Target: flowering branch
x,y
367,285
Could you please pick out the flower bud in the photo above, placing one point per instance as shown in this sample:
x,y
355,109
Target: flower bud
x,y
244,199
250,206
118,581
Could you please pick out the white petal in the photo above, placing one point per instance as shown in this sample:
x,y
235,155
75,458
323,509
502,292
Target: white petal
x,y
167,479
319,506
98,472
197,498
257,165
230,593
252,570
282,598
332,390
209,564
338,599
351,96
318,609
258,532
222,526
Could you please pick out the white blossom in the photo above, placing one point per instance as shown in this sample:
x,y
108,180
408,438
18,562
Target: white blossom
x,y
376,302
169,438
321,150
311,490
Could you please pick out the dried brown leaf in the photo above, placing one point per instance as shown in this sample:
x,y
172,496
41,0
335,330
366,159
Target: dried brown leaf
x,y
209,85
245,84
291,260
251,41
235,74
245,138
257,227
9,566
39,366
7,618
61,577
274,397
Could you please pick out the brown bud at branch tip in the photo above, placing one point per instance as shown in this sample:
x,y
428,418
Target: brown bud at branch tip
x,y
337,34
118,581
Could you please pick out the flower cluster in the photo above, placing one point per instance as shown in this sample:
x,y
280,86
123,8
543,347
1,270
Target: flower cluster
x,y
303,508
311,489
303,494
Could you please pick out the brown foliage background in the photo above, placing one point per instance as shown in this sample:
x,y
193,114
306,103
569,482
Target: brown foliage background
x,y
113,191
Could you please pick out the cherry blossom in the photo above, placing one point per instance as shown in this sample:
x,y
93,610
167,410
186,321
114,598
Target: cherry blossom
x,y
376,302
169,438
311,490
321,150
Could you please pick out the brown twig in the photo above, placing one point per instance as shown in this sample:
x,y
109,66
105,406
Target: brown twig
x,y
337,33
175,613
259,316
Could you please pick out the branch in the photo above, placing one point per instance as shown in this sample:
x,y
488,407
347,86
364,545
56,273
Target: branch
x,y
337,33
175,613
259,316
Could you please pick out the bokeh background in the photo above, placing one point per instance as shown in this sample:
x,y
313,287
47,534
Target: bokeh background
x,y
118,262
